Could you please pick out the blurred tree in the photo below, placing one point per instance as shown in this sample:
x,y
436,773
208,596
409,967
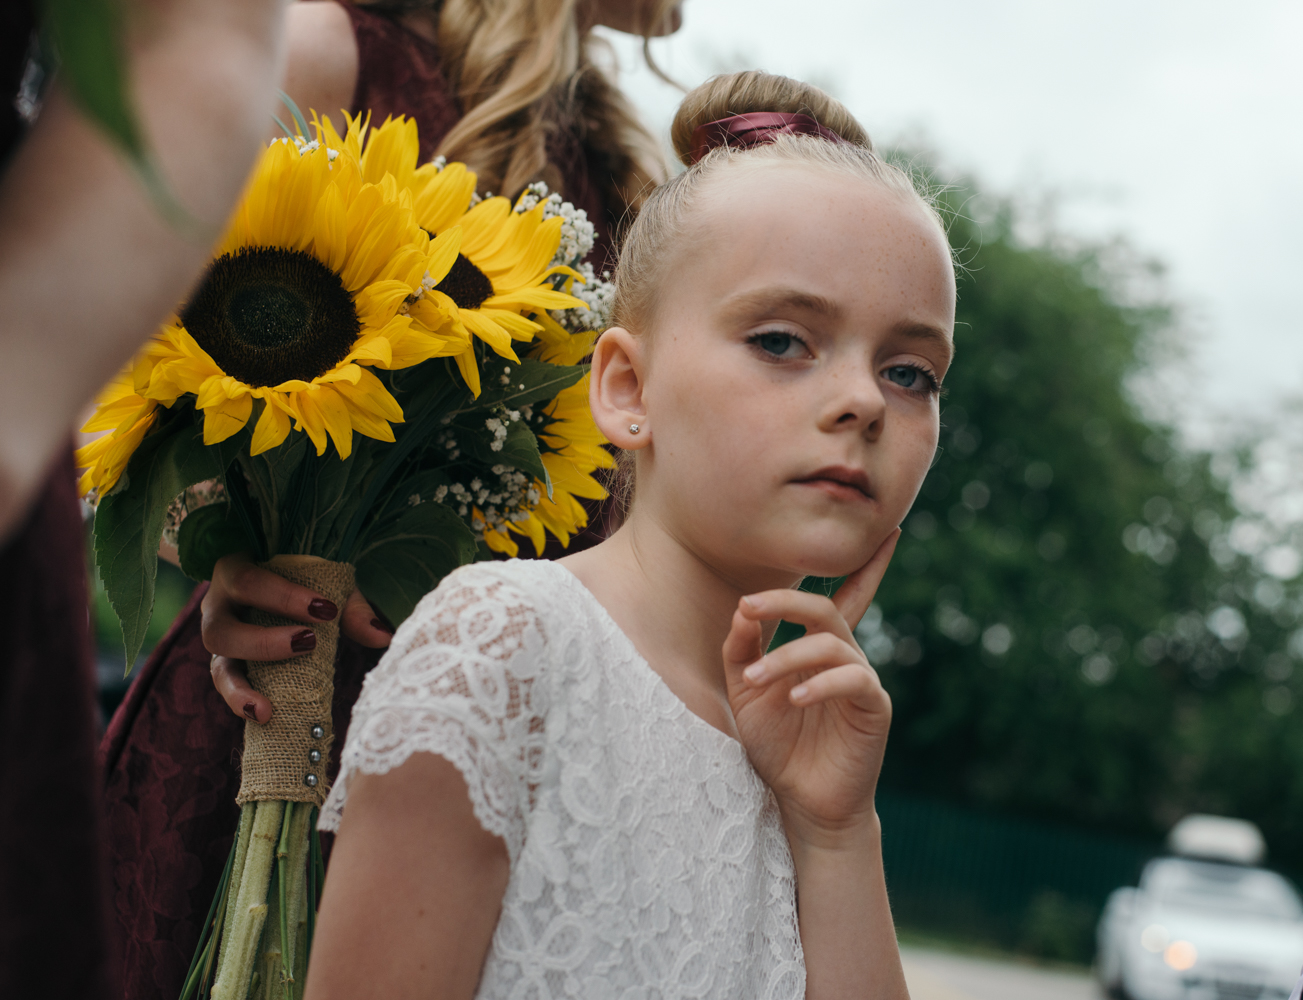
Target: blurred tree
x,y
1068,630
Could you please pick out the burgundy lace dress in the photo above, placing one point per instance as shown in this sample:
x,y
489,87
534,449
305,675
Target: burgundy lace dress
x,y
172,750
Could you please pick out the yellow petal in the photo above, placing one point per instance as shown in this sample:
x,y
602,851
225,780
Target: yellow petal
x,y
335,414
489,332
443,253
542,248
470,370
310,419
378,302
392,149
225,418
330,229
499,542
444,196
273,427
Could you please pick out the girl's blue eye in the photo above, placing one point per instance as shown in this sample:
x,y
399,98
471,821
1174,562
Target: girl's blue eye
x,y
905,376
775,343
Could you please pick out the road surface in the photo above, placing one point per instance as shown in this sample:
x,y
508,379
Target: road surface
x,y
939,975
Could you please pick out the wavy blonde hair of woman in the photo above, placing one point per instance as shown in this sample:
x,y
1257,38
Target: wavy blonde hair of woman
x,y
521,69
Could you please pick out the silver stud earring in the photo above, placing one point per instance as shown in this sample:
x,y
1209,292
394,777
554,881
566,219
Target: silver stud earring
x,y
634,428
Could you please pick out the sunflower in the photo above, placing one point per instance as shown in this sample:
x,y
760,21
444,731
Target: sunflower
x,y
308,291
572,449
501,276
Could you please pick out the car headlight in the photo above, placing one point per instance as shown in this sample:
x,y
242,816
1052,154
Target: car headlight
x,y
1180,955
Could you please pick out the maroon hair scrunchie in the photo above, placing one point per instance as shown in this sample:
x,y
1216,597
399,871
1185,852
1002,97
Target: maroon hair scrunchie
x,y
755,128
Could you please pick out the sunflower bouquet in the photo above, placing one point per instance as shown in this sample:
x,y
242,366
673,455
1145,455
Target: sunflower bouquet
x,y
377,380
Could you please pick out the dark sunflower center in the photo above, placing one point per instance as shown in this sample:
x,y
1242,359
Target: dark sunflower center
x,y
267,315
466,284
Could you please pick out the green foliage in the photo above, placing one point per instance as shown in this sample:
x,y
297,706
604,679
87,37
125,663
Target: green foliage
x,y
172,589
1055,633
129,521
206,535
406,555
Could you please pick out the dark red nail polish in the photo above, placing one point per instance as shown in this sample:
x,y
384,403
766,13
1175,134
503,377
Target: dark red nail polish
x,y
304,642
323,610
250,712
376,623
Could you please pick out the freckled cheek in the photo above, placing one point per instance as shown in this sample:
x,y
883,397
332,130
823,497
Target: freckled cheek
x,y
915,457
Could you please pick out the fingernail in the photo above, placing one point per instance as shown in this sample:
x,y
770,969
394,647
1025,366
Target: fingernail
x,y
799,692
304,642
755,672
250,712
323,610
752,600
380,626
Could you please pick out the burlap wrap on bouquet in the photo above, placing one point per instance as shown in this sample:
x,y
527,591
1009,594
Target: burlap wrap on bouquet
x,y
278,755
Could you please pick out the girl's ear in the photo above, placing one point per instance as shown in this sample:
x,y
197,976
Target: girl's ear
x,y
615,389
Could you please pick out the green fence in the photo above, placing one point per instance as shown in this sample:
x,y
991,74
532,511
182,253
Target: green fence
x,y
1010,883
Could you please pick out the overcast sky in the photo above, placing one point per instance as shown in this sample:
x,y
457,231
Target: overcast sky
x,y
1177,123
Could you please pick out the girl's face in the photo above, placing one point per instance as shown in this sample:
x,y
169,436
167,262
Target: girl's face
x,y
790,376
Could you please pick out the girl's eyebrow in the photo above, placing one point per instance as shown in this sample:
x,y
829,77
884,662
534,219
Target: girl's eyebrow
x,y
928,333
767,300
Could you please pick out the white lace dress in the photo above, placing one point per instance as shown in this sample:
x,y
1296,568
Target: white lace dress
x,y
648,859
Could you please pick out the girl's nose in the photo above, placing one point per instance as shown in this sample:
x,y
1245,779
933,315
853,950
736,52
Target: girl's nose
x,y
855,404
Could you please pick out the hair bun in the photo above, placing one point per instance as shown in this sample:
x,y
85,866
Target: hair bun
x,y
750,108
754,129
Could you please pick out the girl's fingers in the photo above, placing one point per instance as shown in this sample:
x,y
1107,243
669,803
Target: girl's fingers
x,y
855,595
816,651
815,612
361,623
233,686
237,581
852,681
742,646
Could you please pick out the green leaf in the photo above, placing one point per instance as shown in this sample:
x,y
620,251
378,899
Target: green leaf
x,y
519,450
542,381
206,535
271,477
129,523
416,550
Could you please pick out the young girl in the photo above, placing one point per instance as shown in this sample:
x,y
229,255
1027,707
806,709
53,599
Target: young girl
x,y
584,778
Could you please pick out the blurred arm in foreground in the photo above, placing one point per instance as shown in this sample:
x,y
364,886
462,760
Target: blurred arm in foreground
x,y
88,265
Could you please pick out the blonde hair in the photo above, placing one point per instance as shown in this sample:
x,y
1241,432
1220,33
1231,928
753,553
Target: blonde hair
x,y
647,246
520,70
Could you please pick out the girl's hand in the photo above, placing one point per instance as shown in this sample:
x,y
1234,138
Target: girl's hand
x,y
237,583
812,715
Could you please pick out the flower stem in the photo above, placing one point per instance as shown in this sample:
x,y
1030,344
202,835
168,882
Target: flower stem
x,y
211,932
236,965
283,876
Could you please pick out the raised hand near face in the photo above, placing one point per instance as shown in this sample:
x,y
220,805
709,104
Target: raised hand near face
x,y
812,715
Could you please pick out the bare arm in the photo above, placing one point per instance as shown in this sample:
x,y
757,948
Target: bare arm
x,y
847,932
321,63
414,890
87,265
814,718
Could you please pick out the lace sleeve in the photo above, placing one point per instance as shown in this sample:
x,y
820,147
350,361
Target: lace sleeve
x,y
461,680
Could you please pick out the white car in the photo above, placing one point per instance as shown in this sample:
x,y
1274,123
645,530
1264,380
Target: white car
x,y
1202,930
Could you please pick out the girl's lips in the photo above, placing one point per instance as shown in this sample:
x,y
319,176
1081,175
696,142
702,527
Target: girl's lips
x,y
840,483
